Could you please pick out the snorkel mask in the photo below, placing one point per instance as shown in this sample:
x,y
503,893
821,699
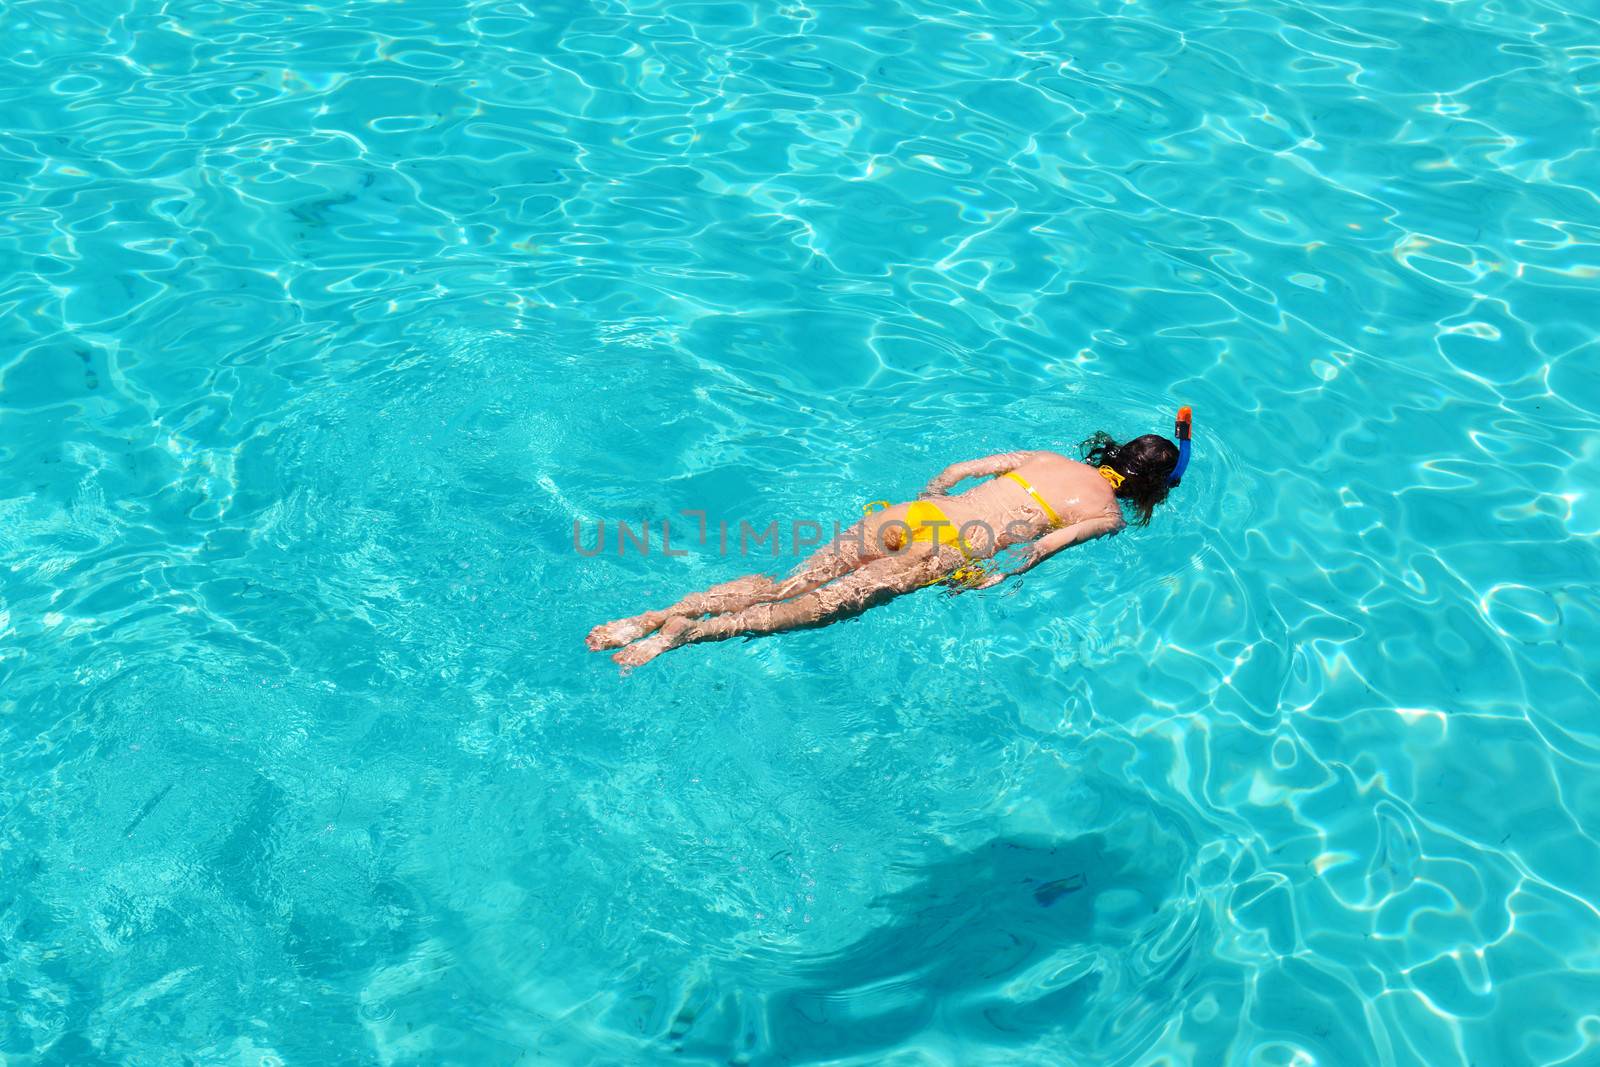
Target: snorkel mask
x,y
1181,430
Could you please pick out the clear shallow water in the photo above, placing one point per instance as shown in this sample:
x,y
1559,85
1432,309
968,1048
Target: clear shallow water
x,y
322,326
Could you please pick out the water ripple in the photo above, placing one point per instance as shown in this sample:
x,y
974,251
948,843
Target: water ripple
x,y
323,324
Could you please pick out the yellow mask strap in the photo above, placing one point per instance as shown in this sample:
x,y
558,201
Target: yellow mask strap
x,y
1112,476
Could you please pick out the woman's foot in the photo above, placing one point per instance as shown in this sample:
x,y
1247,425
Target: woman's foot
x,y
727,597
674,632
618,633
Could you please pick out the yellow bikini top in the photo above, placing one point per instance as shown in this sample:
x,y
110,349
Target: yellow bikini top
x,y
1050,512
1112,476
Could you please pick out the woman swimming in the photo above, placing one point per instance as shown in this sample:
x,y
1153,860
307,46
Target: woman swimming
x,y
1040,498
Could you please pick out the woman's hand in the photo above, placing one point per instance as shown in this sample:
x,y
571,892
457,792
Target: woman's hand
x,y
1030,556
988,581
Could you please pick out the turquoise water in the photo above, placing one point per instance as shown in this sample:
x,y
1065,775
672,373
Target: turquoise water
x,y
324,324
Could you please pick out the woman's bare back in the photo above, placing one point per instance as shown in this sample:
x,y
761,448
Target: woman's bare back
x,y
1074,492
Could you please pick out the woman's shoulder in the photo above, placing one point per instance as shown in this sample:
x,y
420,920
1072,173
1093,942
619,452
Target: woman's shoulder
x,y
1052,460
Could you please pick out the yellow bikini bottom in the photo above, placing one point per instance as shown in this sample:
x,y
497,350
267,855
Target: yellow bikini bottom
x,y
929,523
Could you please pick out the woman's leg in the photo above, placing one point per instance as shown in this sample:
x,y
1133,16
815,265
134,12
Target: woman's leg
x,y
734,594
851,550
873,582
855,547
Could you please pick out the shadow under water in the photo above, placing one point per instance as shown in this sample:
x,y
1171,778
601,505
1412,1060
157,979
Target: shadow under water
x,y
1085,942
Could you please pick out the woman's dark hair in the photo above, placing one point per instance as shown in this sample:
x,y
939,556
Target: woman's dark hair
x,y
1145,464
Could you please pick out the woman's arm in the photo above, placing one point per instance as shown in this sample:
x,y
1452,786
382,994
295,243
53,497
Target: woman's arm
x,y
1054,542
998,463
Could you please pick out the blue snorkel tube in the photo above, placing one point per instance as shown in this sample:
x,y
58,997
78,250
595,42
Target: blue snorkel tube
x,y
1181,431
